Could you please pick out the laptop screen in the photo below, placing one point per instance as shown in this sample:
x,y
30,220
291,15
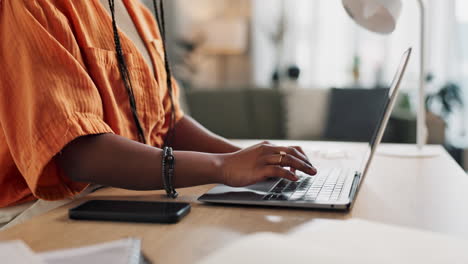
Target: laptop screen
x,y
385,112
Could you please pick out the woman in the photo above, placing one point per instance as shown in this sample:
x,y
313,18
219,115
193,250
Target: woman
x,y
86,98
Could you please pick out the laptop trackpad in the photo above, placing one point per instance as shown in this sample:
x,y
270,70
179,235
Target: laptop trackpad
x,y
249,193
264,186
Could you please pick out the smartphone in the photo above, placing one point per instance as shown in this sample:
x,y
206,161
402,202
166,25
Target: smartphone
x,y
130,211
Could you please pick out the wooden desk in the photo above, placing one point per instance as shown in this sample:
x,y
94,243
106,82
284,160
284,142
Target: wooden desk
x,y
430,194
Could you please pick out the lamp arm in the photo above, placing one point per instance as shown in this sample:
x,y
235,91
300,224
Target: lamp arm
x,y
421,136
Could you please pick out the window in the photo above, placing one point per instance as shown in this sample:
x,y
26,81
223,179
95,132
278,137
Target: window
x,y
323,41
459,129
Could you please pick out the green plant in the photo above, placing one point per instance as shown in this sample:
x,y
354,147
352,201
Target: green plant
x,y
449,97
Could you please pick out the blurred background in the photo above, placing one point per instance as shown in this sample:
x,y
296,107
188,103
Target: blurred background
x,y
302,69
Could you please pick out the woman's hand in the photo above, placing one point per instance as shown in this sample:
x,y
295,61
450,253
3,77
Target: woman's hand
x,y
262,161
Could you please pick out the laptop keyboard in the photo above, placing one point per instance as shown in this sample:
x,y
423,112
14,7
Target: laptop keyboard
x,y
326,186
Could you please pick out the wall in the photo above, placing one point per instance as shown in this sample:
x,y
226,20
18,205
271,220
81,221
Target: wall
x,y
188,17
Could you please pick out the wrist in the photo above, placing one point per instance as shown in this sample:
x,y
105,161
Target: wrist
x,y
215,173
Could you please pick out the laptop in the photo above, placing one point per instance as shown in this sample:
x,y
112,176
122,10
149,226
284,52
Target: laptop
x,y
332,188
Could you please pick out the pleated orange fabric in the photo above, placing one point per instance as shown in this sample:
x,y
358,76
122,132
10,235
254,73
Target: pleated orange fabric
x,y
59,80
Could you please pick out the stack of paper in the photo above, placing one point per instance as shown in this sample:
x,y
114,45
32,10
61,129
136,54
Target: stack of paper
x,y
17,252
125,251
351,242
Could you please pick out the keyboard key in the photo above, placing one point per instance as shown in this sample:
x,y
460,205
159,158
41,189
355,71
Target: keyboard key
x,y
281,198
326,186
323,199
279,187
296,196
309,197
292,186
282,183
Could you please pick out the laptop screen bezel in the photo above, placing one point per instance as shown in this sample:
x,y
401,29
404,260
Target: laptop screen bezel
x,y
386,113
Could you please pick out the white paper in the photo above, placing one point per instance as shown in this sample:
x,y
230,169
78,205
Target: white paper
x,y
16,252
351,242
127,251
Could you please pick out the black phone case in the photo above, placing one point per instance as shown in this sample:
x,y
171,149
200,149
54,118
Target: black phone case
x,y
78,213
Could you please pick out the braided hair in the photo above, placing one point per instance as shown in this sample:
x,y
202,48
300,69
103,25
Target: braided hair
x,y
123,69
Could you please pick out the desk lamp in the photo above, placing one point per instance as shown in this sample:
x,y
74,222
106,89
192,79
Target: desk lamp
x,y
381,16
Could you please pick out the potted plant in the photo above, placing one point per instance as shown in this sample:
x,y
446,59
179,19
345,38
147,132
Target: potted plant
x,y
439,106
448,97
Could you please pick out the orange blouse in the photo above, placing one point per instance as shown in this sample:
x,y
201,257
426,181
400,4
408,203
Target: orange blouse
x,y
59,80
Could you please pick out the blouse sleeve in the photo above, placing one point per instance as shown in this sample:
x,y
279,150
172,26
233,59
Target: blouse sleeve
x,y
47,98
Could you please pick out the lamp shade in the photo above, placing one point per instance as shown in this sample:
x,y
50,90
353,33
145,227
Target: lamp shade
x,y
379,16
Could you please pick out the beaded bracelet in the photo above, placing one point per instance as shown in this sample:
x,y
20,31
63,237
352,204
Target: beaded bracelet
x,y
168,165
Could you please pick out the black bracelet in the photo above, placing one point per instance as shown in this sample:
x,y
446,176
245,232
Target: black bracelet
x,y
168,165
